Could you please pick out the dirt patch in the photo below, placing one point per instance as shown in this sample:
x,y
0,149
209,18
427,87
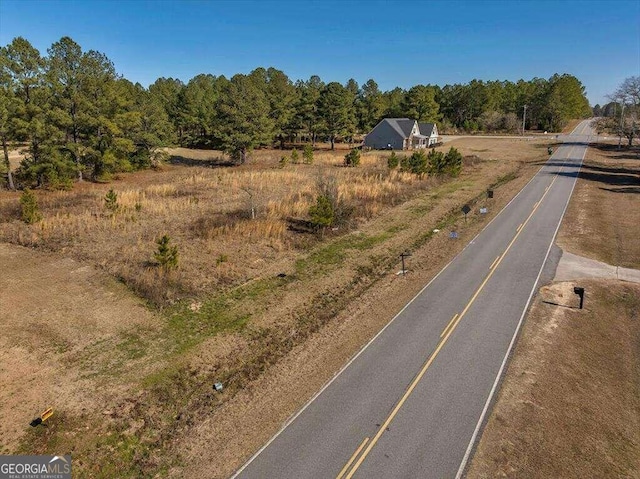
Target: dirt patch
x,y
53,310
570,402
569,405
273,340
604,213
229,436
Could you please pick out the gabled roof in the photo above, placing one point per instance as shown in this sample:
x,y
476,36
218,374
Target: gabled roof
x,y
402,126
426,128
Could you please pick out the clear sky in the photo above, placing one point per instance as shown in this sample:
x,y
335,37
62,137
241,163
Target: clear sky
x,y
397,43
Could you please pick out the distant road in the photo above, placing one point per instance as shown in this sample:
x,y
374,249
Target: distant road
x,y
448,138
411,403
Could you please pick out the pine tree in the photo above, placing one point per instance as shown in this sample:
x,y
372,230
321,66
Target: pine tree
x,y
111,201
352,158
295,158
307,154
418,163
436,165
322,213
335,106
30,211
244,121
453,162
166,255
392,161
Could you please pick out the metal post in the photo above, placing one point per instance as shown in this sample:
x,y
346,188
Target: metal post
x,y
402,257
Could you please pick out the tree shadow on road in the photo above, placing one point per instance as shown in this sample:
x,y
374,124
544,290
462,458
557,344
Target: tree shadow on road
x,y
623,180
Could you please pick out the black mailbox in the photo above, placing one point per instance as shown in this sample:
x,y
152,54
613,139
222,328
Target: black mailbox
x,y
580,292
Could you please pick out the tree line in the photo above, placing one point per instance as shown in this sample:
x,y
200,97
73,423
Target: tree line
x,y
78,118
621,116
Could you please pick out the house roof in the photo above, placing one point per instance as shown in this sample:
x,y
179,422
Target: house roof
x,y
426,128
402,126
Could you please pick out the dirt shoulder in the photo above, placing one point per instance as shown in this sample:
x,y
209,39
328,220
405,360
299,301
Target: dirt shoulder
x,y
570,402
272,341
603,216
569,405
231,434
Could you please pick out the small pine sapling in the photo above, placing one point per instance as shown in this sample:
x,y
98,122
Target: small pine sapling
x,y
294,156
30,211
322,213
307,154
393,161
352,158
111,201
166,254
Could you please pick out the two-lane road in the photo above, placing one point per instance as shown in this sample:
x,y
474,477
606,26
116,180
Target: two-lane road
x,y
410,404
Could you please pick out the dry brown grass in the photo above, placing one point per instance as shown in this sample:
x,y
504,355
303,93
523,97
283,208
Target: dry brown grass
x,y
603,218
570,403
245,321
205,211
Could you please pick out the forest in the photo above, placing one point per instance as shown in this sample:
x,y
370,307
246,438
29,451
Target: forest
x,y
76,118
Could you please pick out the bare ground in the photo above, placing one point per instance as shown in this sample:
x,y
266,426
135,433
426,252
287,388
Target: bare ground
x,y
569,405
604,213
299,331
54,308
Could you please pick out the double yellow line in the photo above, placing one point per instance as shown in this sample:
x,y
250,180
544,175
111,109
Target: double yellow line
x,y
446,333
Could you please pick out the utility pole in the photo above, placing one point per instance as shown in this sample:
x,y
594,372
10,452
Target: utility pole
x,y
524,117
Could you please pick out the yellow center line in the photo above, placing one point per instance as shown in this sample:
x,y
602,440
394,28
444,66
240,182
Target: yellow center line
x,y
450,323
439,347
353,457
521,225
494,262
536,203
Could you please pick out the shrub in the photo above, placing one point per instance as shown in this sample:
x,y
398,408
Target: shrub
x,y
30,211
166,255
404,163
352,158
284,161
418,163
322,213
453,162
393,161
111,201
307,154
294,156
435,160
342,211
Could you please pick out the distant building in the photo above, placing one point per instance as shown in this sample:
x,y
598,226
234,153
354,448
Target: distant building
x,y
401,134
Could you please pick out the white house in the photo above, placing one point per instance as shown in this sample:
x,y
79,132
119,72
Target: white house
x,y
401,134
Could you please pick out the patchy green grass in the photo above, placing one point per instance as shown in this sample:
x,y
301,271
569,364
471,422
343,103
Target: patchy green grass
x,y
323,259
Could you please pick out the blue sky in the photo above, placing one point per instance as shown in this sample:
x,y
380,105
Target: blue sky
x,y
397,43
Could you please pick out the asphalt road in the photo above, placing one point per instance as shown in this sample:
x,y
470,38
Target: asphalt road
x,y
411,403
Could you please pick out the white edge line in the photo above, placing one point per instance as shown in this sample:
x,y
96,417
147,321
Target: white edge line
x,y
467,453
295,416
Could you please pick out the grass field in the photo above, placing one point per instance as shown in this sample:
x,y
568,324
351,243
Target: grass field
x,y
225,315
570,401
